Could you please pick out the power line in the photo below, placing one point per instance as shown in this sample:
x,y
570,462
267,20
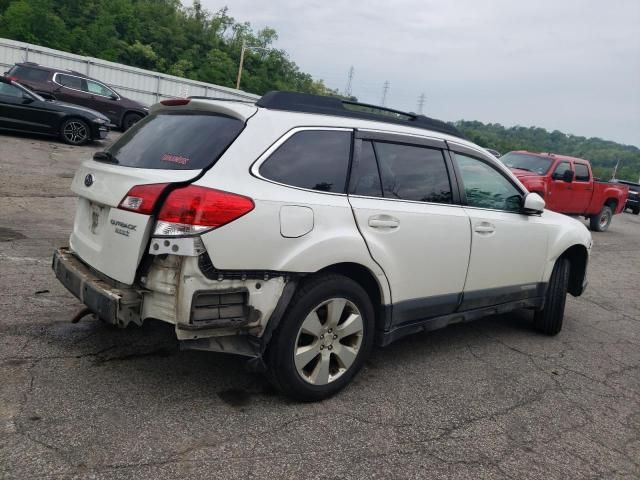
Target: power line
x,y
347,91
420,103
385,89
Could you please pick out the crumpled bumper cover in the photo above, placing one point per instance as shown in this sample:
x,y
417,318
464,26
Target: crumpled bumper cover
x,y
114,305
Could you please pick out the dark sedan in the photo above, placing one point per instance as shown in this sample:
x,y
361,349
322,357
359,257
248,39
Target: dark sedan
x,y
22,110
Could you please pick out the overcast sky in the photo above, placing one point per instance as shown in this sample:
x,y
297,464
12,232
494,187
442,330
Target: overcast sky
x,y
571,65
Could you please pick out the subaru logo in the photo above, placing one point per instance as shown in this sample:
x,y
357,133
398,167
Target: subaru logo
x,y
88,180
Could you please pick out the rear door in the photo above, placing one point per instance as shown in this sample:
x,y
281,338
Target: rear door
x,y
508,248
582,187
70,88
403,202
166,147
559,197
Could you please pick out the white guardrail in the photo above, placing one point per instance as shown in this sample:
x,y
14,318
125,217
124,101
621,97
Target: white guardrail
x,y
144,86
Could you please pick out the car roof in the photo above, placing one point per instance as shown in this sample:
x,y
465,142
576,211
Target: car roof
x,y
50,69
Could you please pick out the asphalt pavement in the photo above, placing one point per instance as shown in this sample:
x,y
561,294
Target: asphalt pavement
x,y
488,399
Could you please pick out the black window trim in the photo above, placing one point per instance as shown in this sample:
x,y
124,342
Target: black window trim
x,y
410,140
55,80
254,169
476,155
575,170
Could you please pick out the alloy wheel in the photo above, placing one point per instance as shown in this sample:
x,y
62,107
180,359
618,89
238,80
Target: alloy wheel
x,y
75,132
328,341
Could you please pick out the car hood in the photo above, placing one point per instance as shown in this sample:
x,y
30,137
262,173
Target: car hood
x,y
132,104
70,107
523,173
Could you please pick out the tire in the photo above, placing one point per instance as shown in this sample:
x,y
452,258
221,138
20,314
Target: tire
x,y
326,361
549,319
75,131
129,120
635,210
601,221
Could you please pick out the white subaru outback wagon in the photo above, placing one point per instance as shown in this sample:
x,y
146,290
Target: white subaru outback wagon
x,y
300,230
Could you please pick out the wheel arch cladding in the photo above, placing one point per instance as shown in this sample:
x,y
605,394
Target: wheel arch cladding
x,y
367,280
578,257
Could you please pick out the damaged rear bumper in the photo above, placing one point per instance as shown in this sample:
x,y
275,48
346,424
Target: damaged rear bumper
x,y
116,306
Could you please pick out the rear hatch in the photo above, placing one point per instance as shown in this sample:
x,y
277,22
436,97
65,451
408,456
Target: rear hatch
x,y
121,188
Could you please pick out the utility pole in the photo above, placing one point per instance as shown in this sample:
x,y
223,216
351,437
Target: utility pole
x,y
347,91
385,89
246,47
420,103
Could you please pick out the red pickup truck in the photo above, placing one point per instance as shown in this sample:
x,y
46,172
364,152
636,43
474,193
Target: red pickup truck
x,y
567,186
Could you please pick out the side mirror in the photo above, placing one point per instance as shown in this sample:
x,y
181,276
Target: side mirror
x,y
533,203
568,176
113,96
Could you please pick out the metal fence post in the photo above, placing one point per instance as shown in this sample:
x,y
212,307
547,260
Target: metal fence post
x,y
26,54
157,88
88,67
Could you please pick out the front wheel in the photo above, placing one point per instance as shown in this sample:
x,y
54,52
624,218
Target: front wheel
x,y
74,131
601,221
130,119
549,319
635,210
323,339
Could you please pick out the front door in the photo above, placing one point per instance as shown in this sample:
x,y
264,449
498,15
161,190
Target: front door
x,y
508,248
402,201
104,100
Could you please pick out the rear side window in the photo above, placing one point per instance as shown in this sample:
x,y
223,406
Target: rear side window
x,y
582,172
183,141
312,159
413,173
365,178
26,74
69,81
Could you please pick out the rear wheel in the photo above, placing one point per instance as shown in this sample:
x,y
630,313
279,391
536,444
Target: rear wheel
x,y
601,221
129,120
549,319
74,131
323,339
635,210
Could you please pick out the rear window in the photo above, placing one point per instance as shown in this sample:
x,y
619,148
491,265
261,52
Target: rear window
x,y
176,141
27,73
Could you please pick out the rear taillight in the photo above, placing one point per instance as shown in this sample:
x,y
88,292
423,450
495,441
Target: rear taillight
x,y
172,102
142,198
12,78
193,209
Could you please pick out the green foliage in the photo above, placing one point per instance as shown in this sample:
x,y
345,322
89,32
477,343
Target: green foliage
x,y
603,154
160,35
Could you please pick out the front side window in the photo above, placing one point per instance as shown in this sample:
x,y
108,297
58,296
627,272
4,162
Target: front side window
x,y
312,159
98,88
70,81
562,167
10,90
582,172
413,173
485,187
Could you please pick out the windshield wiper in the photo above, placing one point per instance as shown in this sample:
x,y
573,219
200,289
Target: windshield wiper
x,y
522,168
105,157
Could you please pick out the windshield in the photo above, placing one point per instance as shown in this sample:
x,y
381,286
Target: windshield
x,y
175,141
530,163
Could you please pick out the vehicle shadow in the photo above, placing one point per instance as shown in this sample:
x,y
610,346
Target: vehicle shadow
x,y
152,352
34,136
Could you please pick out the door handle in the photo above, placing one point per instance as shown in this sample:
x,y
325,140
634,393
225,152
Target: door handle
x,y
383,221
484,228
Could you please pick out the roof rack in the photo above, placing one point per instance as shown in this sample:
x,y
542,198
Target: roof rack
x,y
307,103
204,97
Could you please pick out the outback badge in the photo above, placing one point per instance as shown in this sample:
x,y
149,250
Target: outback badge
x,y
88,180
